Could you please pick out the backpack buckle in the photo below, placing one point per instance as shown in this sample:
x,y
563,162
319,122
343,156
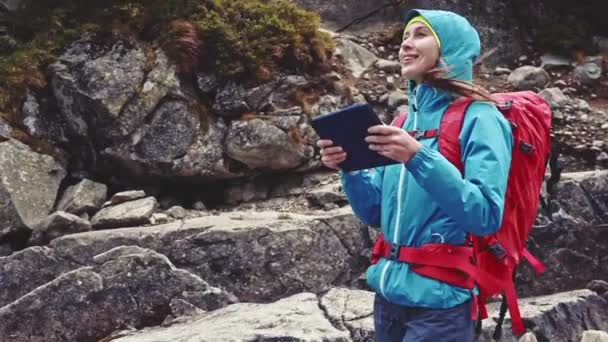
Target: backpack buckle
x,y
393,252
497,250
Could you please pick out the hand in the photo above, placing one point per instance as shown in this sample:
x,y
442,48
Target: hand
x,y
331,155
392,142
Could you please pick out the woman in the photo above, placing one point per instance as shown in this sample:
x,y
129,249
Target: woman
x,y
424,198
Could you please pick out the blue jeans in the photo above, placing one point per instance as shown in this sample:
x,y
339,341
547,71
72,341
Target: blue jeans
x,y
395,323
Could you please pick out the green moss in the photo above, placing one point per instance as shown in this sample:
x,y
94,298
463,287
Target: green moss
x,y
244,38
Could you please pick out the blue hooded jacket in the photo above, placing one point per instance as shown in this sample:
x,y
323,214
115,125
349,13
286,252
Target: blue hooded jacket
x,y
427,200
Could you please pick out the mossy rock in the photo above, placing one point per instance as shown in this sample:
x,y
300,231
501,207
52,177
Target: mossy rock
x,y
244,39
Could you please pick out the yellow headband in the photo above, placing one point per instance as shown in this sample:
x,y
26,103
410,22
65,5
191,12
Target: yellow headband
x,y
422,20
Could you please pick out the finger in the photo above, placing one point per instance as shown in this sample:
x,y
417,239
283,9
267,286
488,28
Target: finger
x,y
330,151
337,158
324,143
378,139
380,147
383,129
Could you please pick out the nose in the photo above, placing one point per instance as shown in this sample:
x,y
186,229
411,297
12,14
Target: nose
x,y
406,43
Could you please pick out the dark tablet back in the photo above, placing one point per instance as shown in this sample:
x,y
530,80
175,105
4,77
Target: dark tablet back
x,y
347,128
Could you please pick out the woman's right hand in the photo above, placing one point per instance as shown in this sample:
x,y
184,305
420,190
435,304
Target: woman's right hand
x,y
331,155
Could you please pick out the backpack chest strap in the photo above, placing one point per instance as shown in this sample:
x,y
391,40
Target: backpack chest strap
x,y
426,134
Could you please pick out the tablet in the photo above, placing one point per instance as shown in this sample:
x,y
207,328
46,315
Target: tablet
x,y
347,128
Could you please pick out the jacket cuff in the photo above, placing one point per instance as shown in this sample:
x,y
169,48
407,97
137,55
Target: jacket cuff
x,y
418,162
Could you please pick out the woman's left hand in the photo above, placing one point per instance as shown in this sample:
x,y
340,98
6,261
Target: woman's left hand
x,y
392,142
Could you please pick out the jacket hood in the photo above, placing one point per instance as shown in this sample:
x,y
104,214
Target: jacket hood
x,y
460,44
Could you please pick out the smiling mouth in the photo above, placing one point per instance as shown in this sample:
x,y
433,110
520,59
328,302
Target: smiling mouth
x,y
408,59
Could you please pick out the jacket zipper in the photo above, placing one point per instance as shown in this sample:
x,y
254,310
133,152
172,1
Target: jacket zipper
x,y
399,190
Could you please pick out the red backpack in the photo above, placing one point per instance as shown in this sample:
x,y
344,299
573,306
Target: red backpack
x,y
491,261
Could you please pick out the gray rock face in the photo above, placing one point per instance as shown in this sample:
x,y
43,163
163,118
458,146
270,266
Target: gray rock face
x,y
85,197
127,196
297,318
258,144
389,66
554,97
170,134
356,57
529,78
28,187
572,244
25,270
116,73
39,123
255,256
231,100
551,61
5,129
595,336
587,73
562,318
559,317
126,287
58,224
125,214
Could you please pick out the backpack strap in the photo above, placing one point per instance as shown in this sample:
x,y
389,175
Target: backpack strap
x,y
399,120
450,127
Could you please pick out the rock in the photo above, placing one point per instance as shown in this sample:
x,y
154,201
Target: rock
x,y
357,59
554,97
327,104
230,100
595,336
502,71
389,66
588,73
5,129
92,82
126,287
177,212
528,337
550,317
171,132
296,318
159,218
58,224
207,83
601,43
25,270
551,62
598,286
260,145
125,214
85,197
351,310
580,193
529,78
397,98
126,196
199,205
5,249
39,123
582,106
28,187
205,159
247,256
240,192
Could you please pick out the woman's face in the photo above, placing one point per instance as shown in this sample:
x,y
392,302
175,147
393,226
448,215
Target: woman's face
x,y
419,52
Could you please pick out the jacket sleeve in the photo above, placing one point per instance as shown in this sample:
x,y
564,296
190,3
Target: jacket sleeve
x,y
475,201
364,192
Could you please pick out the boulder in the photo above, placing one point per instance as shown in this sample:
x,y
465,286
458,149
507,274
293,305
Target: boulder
x,y
126,196
356,57
125,214
28,187
85,197
58,224
529,78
